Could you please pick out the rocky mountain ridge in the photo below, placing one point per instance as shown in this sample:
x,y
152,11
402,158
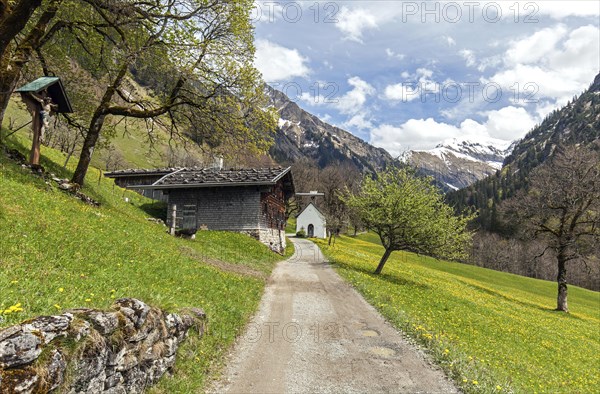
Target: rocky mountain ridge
x,y
303,136
456,163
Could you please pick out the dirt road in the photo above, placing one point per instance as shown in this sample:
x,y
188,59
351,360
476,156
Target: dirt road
x,y
313,333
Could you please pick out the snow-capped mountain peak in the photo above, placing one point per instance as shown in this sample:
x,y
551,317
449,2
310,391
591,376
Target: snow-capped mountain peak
x,y
456,163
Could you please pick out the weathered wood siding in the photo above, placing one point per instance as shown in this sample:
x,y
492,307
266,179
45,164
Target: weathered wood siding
x,y
273,208
127,181
219,208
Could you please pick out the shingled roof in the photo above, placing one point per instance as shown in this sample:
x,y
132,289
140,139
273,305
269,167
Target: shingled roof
x,y
205,177
141,172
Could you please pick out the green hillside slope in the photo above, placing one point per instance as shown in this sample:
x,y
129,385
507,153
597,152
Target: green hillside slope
x,y
491,331
128,144
57,252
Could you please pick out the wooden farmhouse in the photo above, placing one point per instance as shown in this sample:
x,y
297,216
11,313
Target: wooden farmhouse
x,y
312,221
250,201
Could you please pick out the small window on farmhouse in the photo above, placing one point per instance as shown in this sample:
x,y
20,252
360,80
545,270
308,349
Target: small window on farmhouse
x,y
265,208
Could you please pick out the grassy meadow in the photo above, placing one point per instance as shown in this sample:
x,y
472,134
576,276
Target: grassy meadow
x,y
57,252
492,332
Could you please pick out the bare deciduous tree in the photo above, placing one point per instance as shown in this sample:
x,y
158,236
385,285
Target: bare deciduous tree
x,y
562,208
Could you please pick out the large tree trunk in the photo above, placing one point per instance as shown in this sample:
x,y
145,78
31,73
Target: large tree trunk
x,y
13,59
384,258
8,83
561,302
85,158
13,20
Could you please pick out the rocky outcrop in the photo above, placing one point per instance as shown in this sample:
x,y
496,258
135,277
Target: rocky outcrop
x,y
122,350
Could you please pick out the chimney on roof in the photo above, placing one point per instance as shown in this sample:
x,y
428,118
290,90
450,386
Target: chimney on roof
x,y
218,162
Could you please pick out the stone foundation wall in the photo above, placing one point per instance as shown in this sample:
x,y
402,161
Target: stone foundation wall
x,y
273,238
123,350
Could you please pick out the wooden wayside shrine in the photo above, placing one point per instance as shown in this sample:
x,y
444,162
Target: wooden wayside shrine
x,y
43,96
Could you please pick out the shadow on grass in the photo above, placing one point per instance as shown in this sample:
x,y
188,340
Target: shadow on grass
x,y
383,276
524,303
48,164
156,209
561,314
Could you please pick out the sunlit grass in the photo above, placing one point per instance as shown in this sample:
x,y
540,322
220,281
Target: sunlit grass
x,y
290,226
490,331
58,253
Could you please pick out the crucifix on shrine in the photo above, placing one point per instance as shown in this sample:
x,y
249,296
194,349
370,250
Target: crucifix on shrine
x,y
43,97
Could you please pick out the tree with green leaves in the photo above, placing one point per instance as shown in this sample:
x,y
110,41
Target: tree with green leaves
x,y
203,51
562,209
194,57
408,213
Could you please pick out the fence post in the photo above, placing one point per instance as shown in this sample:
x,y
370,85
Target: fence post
x,y
173,219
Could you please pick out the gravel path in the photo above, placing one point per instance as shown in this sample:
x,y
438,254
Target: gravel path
x,y
313,333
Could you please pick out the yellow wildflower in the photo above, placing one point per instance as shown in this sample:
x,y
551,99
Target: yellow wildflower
x,y
14,308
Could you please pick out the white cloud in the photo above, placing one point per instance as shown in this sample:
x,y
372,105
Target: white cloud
x,y
424,72
492,61
320,93
449,40
278,63
506,124
310,98
559,55
414,134
509,123
352,22
535,47
391,54
358,121
401,92
414,86
580,50
469,56
556,63
352,102
559,9
535,11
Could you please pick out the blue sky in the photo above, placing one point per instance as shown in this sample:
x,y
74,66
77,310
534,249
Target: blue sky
x,y
409,75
